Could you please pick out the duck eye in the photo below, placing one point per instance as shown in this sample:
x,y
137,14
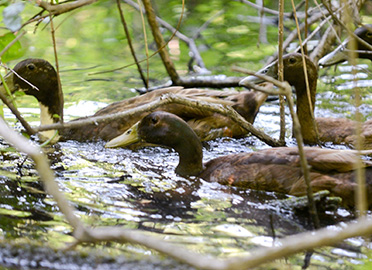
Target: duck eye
x,y
292,60
154,120
369,34
31,66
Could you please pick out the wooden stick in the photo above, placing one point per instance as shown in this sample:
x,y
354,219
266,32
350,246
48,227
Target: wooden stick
x,y
126,30
297,129
167,99
158,37
280,69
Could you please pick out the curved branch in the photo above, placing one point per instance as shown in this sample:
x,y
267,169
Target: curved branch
x,y
64,7
163,100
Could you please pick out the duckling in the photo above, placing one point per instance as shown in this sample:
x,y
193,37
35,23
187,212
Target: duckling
x,y
274,169
38,78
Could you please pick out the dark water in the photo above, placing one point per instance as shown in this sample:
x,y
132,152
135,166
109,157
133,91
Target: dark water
x,y
139,189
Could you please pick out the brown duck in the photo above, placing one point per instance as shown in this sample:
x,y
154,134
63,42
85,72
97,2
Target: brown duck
x,y
336,130
207,125
274,169
340,54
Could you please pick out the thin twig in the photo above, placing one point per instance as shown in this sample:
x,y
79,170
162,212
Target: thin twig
x,y
158,37
20,77
293,35
342,24
306,25
297,128
189,41
161,50
264,9
126,30
63,7
145,40
280,69
60,92
17,114
360,193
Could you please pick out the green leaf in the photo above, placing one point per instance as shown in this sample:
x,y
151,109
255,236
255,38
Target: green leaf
x,y
14,52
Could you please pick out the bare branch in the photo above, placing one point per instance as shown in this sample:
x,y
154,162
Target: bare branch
x,y
17,114
189,41
163,100
64,7
126,30
158,37
264,9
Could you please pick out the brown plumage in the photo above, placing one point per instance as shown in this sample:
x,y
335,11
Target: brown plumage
x,y
340,53
207,125
336,130
274,169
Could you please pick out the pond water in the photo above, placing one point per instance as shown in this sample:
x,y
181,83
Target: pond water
x,y
139,189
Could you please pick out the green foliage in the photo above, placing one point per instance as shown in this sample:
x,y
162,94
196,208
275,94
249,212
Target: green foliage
x,y
14,52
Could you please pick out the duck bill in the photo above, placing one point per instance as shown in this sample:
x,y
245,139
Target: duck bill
x,y
337,56
8,82
127,138
269,70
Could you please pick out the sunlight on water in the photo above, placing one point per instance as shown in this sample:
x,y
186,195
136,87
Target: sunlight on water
x,y
139,189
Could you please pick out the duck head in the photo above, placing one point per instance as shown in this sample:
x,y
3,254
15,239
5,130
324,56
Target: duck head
x,y
38,78
167,129
340,54
293,71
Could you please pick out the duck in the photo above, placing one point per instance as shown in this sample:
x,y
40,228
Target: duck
x,y
339,55
339,131
38,78
273,169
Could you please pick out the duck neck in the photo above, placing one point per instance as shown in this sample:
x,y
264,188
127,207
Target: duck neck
x,y
51,106
305,110
47,117
190,157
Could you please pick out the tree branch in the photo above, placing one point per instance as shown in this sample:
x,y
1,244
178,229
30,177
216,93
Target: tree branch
x,y
189,41
64,7
163,100
169,66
